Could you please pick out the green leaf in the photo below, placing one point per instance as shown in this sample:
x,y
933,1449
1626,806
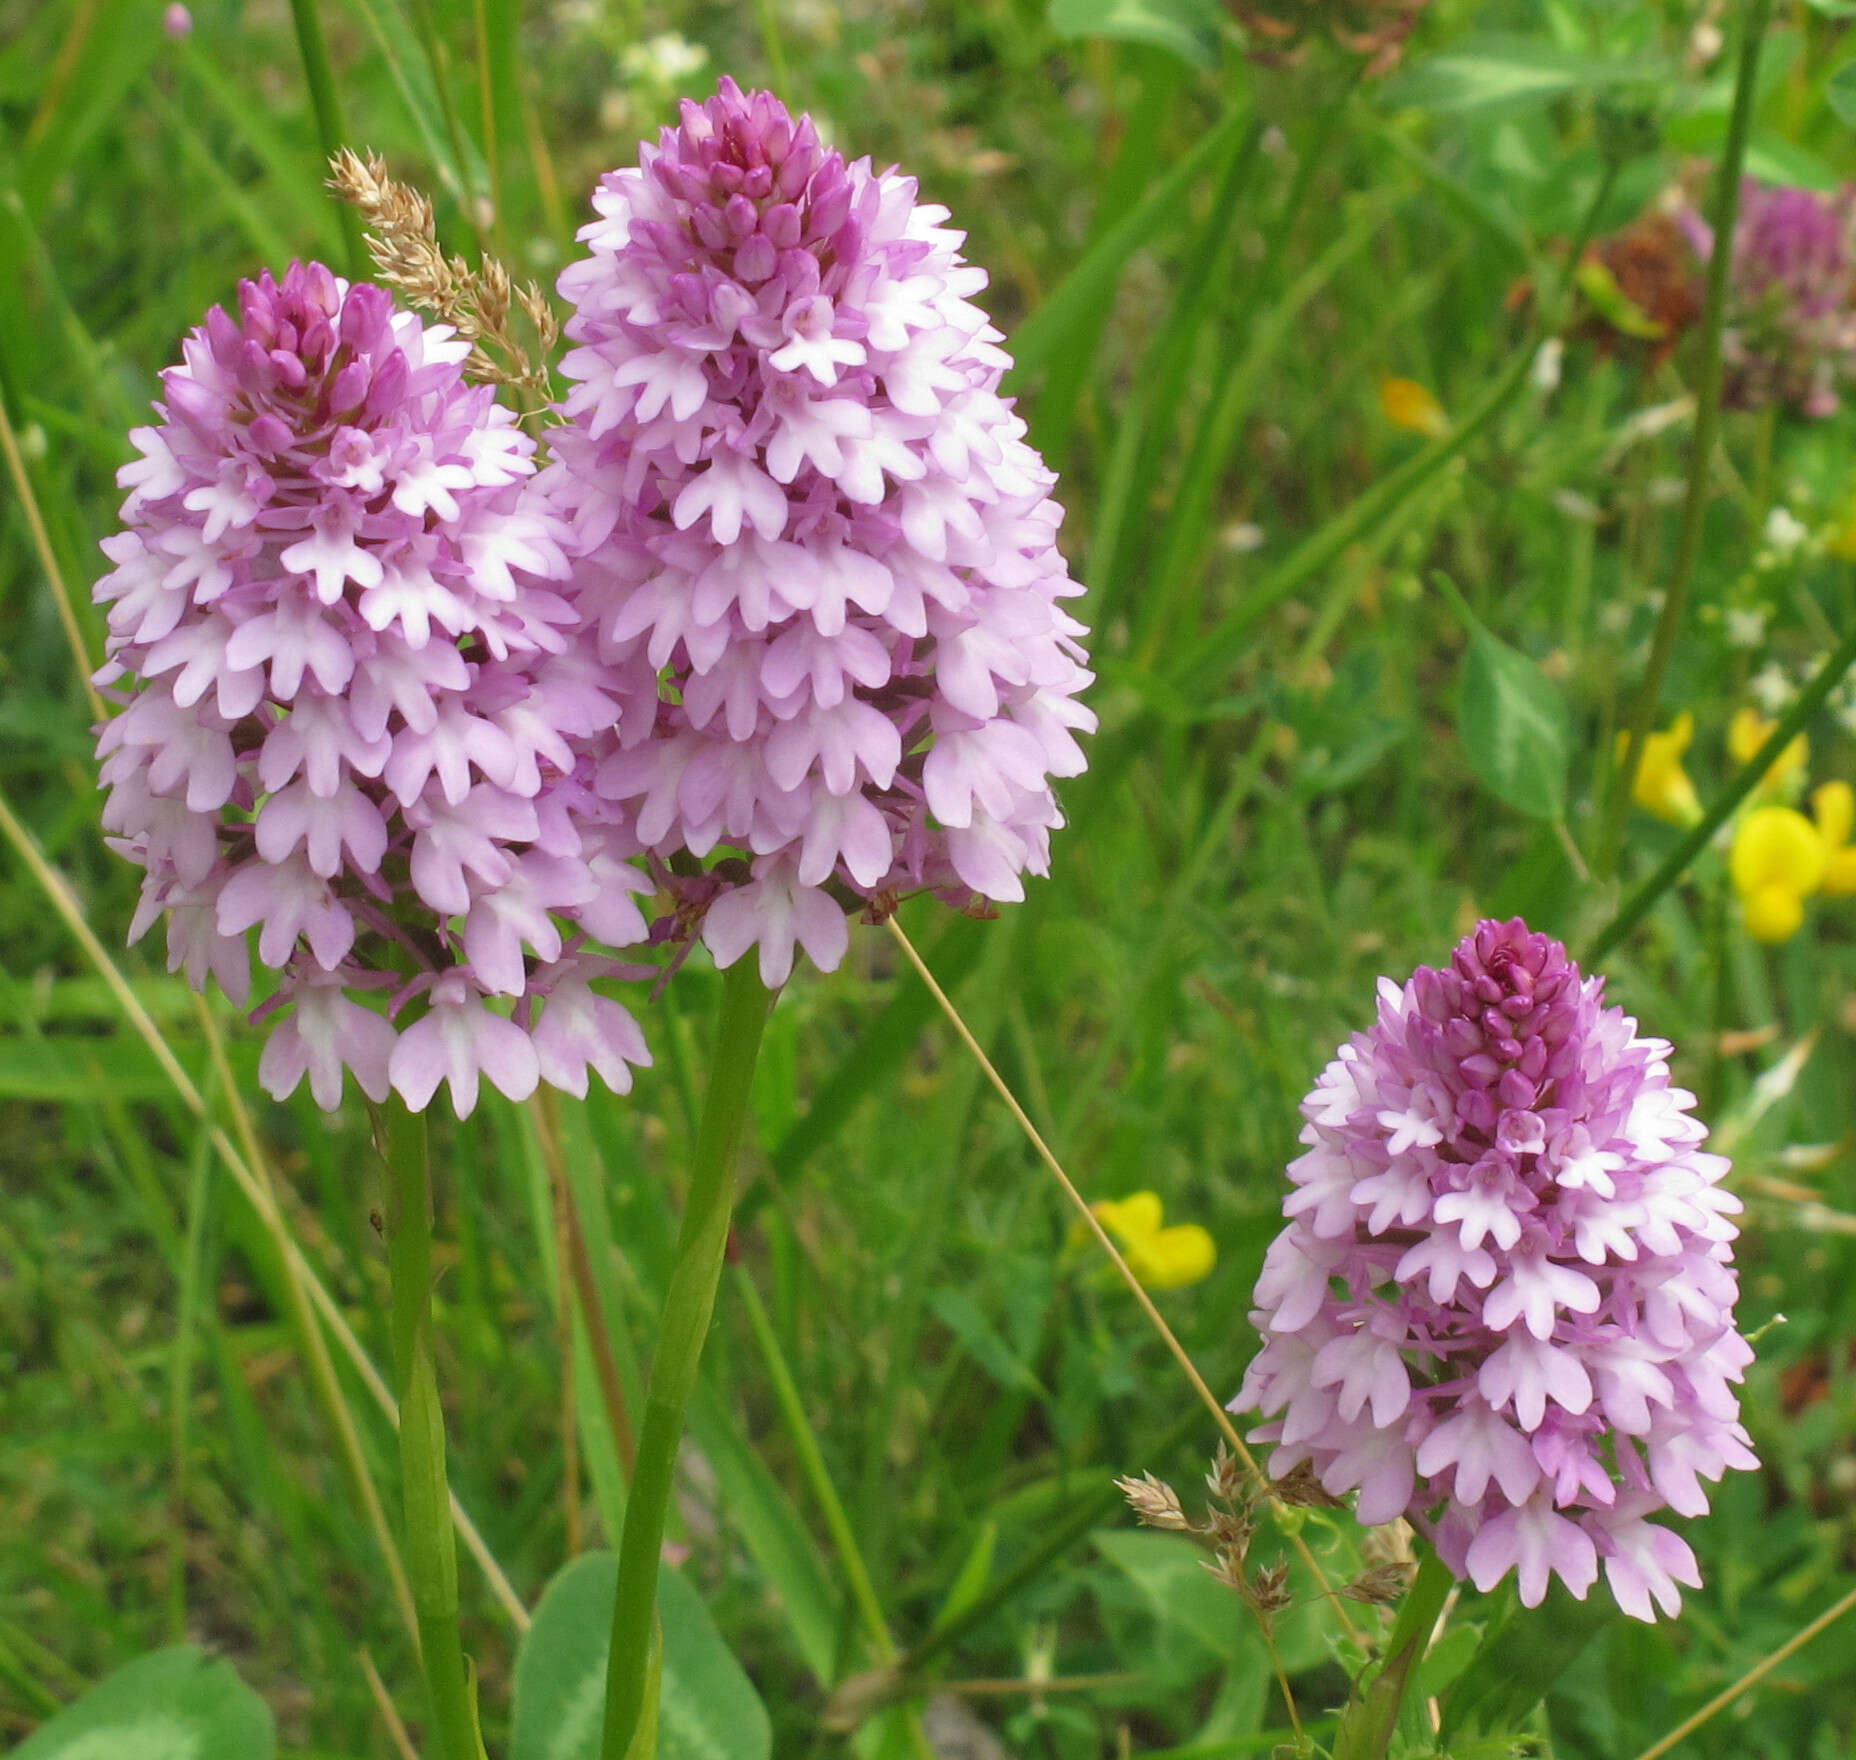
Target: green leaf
x,y
960,1314
1510,71
1525,1651
1186,28
1512,721
417,80
1180,1593
177,1704
707,1707
1840,94
75,1068
1773,159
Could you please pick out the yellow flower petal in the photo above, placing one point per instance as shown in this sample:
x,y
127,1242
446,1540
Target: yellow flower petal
x,y
1130,1219
1778,859
1833,805
1663,786
1773,913
1411,406
1839,874
1747,732
1174,1257
1161,1258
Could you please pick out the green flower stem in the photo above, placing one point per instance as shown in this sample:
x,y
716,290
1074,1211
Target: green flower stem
x,y
1811,699
688,1305
1366,1729
325,100
431,1547
1707,426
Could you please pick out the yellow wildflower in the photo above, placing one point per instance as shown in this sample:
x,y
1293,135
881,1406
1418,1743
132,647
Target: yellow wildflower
x,y
1411,406
1662,785
1162,1258
1834,807
1747,732
1778,860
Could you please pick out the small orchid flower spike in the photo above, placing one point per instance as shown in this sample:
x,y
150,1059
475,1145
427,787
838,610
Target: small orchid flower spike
x,y
1503,1307
349,701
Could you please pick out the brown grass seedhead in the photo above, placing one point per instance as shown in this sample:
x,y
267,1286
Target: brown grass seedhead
x,y
1155,1503
1381,1586
1300,1489
402,238
1269,1589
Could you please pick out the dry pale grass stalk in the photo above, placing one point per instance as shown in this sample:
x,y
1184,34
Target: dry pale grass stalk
x,y
402,238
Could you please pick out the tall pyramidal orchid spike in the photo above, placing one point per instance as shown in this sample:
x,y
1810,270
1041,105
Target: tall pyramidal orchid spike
x,y
349,701
1503,1307
820,557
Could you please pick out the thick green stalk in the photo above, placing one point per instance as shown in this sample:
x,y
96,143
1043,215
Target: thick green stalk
x,y
688,1305
326,101
1811,699
1726,210
431,1548
1366,1728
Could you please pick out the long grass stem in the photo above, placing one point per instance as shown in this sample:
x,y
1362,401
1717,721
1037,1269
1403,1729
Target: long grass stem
x,y
1669,620
1209,659
331,131
1751,1678
431,1548
688,1305
313,1346
48,559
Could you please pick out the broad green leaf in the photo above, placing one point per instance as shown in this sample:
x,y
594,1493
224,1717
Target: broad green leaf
x,y
177,1704
707,1707
1187,28
1512,722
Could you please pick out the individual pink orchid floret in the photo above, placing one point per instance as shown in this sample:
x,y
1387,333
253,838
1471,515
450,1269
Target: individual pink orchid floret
x,y
819,555
1504,1304
338,634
